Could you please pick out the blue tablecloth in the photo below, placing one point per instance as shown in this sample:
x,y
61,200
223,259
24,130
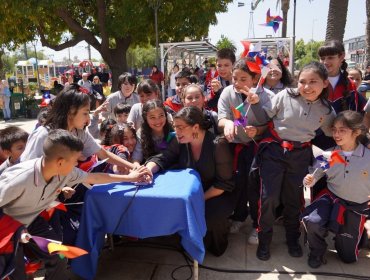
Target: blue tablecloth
x,y
174,203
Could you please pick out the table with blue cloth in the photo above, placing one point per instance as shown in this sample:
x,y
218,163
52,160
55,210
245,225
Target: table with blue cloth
x,y
173,203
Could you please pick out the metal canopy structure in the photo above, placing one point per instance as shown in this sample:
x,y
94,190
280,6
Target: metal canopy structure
x,y
194,51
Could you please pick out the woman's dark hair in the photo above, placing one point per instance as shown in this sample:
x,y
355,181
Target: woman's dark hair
x,y
116,134
148,144
321,71
156,67
191,116
335,47
241,64
67,103
105,129
126,77
353,120
286,77
147,86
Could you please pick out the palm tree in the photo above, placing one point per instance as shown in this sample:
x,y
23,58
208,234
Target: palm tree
x,y
284,9
337,18
368,31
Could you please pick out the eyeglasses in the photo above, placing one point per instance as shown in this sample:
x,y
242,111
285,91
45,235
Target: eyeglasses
x,y
180,128
340,131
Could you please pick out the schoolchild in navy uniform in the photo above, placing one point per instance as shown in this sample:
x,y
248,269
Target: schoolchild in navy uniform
x,y
12,141
173,104
343,94
29,187
193,96
225,60
245,77
156,131
343,207
285,154
70,112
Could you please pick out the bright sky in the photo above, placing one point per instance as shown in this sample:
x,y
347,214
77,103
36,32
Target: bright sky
x,y
310,20
310,23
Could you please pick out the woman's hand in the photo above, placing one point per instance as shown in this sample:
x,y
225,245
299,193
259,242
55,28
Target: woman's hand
x,y
141,174
68,192
308,180
251,131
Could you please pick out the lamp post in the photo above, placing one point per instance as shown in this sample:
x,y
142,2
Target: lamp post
x,y
155,4
293,49
37,66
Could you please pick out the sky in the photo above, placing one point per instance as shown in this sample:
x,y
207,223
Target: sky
x,y
310,24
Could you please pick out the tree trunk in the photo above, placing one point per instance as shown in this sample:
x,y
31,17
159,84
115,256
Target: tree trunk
x,y
367,32
2,70
337,18
116,59
284,9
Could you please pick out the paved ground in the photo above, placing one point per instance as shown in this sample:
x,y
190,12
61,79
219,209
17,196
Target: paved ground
x,y
144,260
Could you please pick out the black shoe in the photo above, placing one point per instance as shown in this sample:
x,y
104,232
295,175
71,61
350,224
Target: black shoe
x,y
295,250
263,252
315,261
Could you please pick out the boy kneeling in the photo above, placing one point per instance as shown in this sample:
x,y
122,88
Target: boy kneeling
x,y
29,187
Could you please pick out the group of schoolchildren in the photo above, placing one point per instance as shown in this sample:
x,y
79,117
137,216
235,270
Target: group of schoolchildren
x,y
272,153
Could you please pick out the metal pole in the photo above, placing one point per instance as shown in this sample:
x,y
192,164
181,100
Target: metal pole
x,y
156,34
37,67
293,50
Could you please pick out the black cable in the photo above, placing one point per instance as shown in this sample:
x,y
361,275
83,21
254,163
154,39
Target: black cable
x,y
189,262
126,209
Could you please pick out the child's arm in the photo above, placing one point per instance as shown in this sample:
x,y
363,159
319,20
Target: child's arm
x,y
114,159
141,174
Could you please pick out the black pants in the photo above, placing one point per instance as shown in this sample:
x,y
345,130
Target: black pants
x,y
347,236
217,211
56,268
246,187
281,176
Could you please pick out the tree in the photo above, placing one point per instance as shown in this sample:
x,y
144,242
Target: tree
x,y
337,18
284,9
225,42
109,26
367,31
140,57
305,53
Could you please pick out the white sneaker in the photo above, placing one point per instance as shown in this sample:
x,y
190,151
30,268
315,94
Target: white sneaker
x,y
253,237
235,226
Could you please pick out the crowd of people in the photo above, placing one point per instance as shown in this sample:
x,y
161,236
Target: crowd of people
x,y
253,164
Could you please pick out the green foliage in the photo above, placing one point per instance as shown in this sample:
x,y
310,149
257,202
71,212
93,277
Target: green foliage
x,y
139,57
306,52
110,26
225,42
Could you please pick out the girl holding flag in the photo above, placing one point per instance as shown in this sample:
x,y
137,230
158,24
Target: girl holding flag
x,y
241,127
285,153
343,207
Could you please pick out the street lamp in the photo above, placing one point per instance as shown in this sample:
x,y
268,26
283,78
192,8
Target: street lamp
x,y
155,4
37,66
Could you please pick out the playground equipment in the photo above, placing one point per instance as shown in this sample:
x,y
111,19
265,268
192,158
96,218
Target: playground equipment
x,y
28,72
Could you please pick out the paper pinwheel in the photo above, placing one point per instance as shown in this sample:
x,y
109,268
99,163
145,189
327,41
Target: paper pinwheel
x,y
240,116
272,21
56,247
